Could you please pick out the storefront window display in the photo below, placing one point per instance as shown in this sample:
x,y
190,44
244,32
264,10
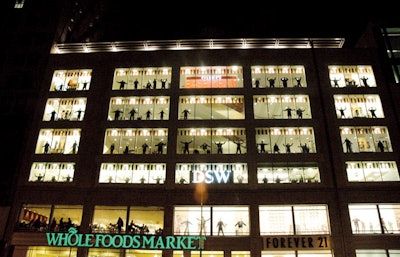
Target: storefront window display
x,y
212,220
372,171
211,141
281,107
135,141
52,172
211,77
139,108
58,109
375,218
270,173
351,76
377,252
217,107
55,218
211,173
58,141
365,139
285,140
298,253
139,173
283,76
39,251
132,219
294,220
71,80
358,106
205,254
147,78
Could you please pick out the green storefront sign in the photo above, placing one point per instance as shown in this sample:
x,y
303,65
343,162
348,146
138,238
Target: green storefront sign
x,y
125,241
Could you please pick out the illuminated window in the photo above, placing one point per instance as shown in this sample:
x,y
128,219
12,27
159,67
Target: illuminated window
x,y
139,220
135,141
211,141
56,218
374,218
196,220
365,139
351,76
19,4
142,78
288,140
358,106
211,173
52,172
294,220
139,108
372,171
298,253
140,173
59,109
217,107
37,251
58,141
278,76
292,173
71,80
281,107
211,77
377,253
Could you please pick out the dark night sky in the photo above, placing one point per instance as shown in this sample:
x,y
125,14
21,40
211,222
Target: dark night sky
x,y
260,19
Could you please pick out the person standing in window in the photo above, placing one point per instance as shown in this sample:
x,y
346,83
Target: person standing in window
x,y
122,84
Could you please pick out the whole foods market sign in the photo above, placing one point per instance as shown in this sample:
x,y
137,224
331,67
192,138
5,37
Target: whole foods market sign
x,y
73,239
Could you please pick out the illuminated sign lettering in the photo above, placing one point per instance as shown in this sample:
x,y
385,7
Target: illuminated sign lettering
x,y
297,242
73,239
209,176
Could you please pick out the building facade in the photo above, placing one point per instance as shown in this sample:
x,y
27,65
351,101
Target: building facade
x,y
223,148
229,147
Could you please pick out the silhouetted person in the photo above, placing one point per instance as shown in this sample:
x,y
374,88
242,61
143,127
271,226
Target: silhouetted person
x,y
148,85
257,83
132,113
154,84
53,116
185,112
284,81
298,80
271,82
117,114
120,224
46,147
262,146
372,111
126,151
238,146
335,82
148,115
299,113
341,111
304,148
348,143
204,146
276,148
136,84
364,81
186,146
160,147
163,82
219,147
289,112
79,114
162,114
220,226
144,148
74,147
122,84
85,85
112,148
381,146
287,147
